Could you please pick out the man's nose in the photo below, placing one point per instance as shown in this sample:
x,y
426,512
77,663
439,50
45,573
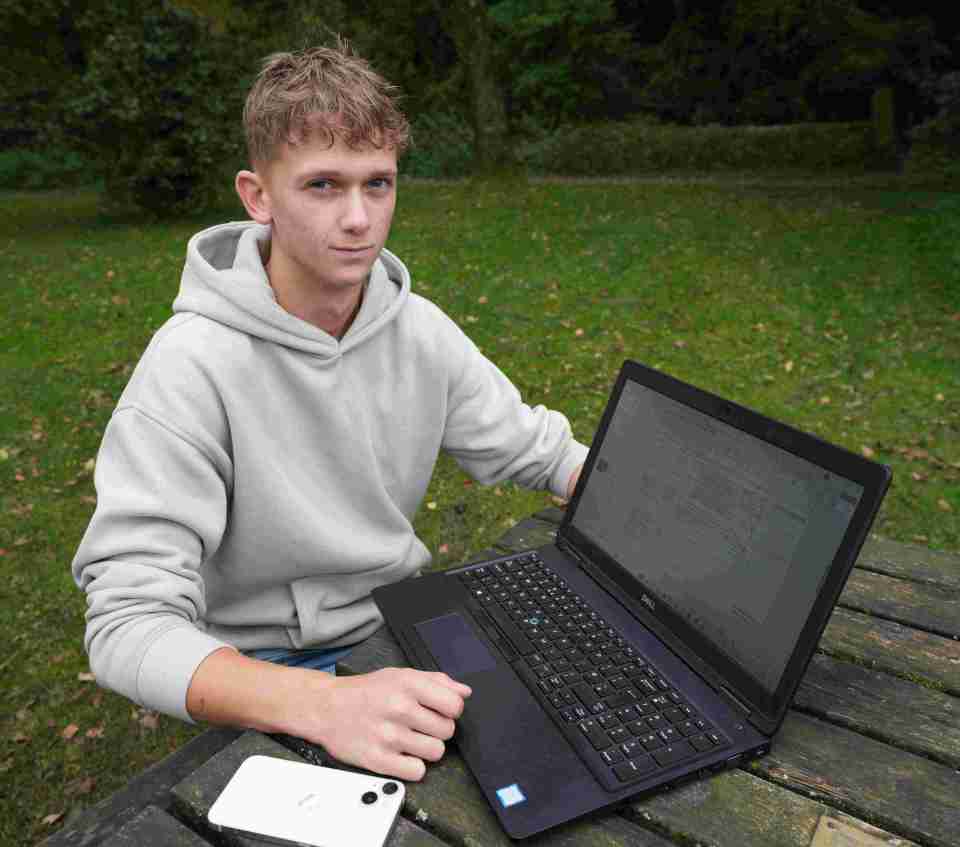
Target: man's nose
x,y
355,216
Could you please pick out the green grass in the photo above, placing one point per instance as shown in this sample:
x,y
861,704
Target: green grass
x,y
836,308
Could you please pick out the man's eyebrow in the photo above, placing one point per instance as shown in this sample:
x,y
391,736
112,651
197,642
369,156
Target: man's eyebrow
x,y
331,173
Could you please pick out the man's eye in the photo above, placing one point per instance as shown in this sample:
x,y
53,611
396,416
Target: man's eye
x,y
381,182
322,184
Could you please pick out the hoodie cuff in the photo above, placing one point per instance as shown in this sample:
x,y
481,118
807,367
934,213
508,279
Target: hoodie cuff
x,y
575,456
168,667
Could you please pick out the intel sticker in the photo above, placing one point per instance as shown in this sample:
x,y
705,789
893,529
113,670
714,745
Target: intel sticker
x,y
510,796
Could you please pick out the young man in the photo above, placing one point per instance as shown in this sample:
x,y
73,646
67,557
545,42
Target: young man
x,y
261,470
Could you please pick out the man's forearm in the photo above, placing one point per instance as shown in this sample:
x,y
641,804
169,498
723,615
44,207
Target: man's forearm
x,y
230,689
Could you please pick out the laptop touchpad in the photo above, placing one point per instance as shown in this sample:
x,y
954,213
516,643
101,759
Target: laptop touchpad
x,y
455,646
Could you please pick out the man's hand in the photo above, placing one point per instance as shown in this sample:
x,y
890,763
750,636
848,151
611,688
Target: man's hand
x,y
392,721
572,484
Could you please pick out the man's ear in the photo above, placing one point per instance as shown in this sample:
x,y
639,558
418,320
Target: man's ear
x,y
253,195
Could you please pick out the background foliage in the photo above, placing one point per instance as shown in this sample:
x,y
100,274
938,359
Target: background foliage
x,y
148,93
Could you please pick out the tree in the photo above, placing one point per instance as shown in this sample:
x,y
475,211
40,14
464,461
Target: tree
x,y
159,106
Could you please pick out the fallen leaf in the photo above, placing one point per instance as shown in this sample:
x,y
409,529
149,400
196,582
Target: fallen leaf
x,y
788,365
21,738
824,401
150,720
119,300
472,319
944,506
69,731
920,538
938,397
94,732
5,765
578,333
50,820
443,549
4,455
482,299
432,505
111,274
97,699
89,465
498,491
84,676
918,477
867,451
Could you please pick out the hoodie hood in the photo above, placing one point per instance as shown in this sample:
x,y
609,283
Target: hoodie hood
x,y
224,279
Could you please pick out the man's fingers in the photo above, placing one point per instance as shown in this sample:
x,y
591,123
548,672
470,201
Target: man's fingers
x,y
446,698
432,723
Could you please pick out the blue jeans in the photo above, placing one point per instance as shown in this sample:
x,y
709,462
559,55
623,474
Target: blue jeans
x,y
319,659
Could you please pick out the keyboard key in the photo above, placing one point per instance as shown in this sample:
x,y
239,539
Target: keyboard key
x,y
668,734
595,735
634,768
612,756
628,713
586,693
687,728
608,721
674,715
701,743
631,748
656,722
651,741
674,753
619,734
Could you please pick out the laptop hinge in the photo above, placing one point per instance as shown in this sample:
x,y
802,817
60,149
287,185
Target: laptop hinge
x,y
567,547
739,703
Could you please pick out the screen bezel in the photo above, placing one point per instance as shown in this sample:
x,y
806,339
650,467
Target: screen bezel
x,y
767,707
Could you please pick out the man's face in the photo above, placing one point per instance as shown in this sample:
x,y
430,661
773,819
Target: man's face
x,y
330,209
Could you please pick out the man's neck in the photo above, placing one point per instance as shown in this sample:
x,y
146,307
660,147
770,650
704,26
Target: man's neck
x,y
332,310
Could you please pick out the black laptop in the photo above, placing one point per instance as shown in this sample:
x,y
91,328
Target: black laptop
x,y
663,634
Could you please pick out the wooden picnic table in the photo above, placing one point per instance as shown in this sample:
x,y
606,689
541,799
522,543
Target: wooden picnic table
x,y
868,755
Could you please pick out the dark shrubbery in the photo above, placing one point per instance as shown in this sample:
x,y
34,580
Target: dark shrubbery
x,y
159,109
442,147
630,147
935,150
43,167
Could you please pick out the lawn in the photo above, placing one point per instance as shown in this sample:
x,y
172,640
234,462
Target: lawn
x,y
835,308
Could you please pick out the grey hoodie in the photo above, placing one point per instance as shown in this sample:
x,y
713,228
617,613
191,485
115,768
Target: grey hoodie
x,y
259,477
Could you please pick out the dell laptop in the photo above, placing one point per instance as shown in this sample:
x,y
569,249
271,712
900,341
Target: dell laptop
x,y
662,636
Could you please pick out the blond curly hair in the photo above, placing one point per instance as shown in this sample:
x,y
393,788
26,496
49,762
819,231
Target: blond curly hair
x,y
329,92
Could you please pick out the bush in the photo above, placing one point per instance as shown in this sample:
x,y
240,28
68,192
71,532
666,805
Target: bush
x,y
32,169
442,147
159,109
935,148
613,149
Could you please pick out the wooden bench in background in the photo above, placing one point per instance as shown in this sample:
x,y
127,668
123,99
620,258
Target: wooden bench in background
x,y
869,755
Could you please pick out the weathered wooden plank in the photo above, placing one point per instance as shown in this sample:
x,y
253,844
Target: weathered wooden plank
x,y
151,787
931,607
908,795
736,808
909,561
380,650
534,531
892,647
154,826
193,797
884,707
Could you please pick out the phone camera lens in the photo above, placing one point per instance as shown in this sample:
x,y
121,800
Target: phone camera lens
x,y
390,788
369,797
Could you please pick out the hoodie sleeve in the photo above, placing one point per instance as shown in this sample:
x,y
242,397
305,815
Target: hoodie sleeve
x,y
493,435
161,509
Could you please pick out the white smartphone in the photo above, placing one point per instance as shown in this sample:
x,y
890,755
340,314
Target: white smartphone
x,y
295,803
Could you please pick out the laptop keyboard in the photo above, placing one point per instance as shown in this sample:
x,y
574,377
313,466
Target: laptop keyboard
x,y
622,715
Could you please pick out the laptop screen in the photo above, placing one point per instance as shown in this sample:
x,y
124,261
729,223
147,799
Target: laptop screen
x,y
734,534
